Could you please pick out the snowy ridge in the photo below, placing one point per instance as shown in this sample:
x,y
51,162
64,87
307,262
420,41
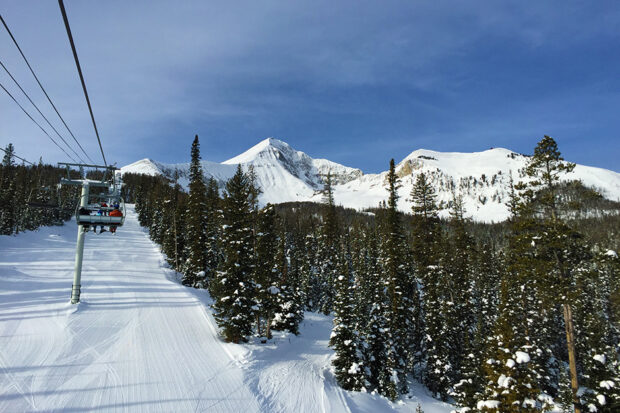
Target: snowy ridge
x,y
481,178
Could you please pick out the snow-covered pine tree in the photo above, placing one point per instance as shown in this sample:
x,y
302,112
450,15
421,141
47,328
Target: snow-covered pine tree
x,y
8,193
289,312
438,374
486,279
458,288
309,272
212,229
597,349
564,398
397,278
425,247
555,244
328,249
266,271
370,310
512,374
347,362
425,223
233,287
8,160
173,237
194,268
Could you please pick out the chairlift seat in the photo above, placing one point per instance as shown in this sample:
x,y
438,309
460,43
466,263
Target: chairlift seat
x,y
87,219
100,219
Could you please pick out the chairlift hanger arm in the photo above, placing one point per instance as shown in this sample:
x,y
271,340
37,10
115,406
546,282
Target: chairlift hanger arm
x,y
80,183
89,166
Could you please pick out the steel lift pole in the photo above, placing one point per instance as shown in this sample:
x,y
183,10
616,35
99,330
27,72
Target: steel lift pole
x,y
79,250
85,184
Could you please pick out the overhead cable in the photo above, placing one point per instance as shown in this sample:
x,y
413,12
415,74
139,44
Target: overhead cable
x,y
36,123
79,68
38,110
42,88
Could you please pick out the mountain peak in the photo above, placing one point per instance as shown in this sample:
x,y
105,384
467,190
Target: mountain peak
x,y
263,146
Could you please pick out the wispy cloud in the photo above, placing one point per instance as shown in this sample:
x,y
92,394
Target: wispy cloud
x,y
323,75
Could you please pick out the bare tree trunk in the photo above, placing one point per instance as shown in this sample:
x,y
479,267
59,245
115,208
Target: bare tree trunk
x,y
572,359
176,251
258,324
268,328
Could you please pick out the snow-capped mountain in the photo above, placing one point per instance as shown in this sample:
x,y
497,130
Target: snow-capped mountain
x,y
283,173
481,178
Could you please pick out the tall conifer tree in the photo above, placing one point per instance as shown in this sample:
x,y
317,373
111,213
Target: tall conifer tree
x,y
397,279
233,287
194,269
328,249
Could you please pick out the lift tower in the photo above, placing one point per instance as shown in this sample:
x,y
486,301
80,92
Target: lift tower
x,y
112,186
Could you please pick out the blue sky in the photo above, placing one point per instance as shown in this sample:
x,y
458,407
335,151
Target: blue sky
x,y
356,82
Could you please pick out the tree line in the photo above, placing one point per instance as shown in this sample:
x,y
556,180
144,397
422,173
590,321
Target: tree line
x,y
518,317
30,196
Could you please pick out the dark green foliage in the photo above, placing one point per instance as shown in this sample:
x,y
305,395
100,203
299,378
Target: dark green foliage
x,y
196,223
267,272
233,287
399,287
213,217
327,250
289,308
347,362
30,197
473,310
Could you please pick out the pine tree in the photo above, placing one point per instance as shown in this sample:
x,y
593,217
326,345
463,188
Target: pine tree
x,y
266,271
194,270
289,312
458,288
426,224
212,229
310,282
565,393
511,371
596,347
397,278
485,295
371,308
328,249
233,287
347,362
8,160
555,246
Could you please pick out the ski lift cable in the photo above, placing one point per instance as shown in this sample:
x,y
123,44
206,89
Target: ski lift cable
x,y
79,68
38,110
42,88
21,159
36,123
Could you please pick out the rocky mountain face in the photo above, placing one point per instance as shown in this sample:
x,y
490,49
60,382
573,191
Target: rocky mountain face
x,y
482,179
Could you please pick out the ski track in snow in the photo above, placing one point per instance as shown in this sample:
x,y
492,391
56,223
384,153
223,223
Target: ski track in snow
x,y
141,342
138,341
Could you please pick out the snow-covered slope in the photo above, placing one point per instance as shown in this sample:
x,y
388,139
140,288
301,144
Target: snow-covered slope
x,y
481,178
141,342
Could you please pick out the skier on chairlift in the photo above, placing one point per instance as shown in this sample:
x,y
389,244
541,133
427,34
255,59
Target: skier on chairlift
x,y
115,213
102,230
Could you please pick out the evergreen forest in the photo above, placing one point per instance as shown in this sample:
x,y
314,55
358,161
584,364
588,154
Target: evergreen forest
x,y
520,316
30,196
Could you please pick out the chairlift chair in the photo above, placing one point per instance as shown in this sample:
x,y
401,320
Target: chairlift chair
x,y
88,219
